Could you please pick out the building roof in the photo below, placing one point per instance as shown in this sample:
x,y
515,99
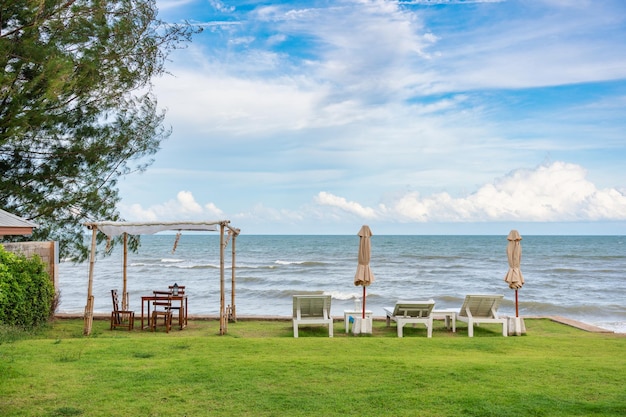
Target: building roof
x,y
10,224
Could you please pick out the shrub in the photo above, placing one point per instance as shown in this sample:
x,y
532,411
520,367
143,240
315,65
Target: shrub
x,y
26,291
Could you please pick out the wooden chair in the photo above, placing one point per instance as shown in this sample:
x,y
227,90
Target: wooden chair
x,y
182,317
162,307
121,318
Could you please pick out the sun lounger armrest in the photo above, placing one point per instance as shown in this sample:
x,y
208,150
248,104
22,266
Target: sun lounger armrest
x,y
298,317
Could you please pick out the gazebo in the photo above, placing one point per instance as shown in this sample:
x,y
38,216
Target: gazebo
x,y
113,229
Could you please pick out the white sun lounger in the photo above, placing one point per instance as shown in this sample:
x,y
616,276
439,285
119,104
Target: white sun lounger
x,y
478,309
312,309
412,312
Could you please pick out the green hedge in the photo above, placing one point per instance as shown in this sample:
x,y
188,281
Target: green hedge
x,y
26,291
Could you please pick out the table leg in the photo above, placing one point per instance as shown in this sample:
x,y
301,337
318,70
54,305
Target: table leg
x,y
186,308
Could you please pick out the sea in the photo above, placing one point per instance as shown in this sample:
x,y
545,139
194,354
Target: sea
x,y
578,277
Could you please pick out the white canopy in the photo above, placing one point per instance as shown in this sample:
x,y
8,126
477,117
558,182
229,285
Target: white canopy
x,y
112,229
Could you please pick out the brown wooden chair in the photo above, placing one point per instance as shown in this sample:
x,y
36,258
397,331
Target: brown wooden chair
x,y
121,318
182,318
162,307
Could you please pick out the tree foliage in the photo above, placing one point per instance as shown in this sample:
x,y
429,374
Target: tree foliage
x,y
77,112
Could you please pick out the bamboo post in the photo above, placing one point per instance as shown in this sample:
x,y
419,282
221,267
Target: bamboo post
x,y
89,307
232,267
222,297
124,277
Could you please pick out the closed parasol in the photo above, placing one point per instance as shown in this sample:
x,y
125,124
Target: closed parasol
x,y
364,275
514,276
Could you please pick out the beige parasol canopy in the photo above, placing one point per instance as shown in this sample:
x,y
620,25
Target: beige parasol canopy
x,y
364,275
514,276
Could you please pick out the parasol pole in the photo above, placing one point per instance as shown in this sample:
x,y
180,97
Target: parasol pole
x,y
363,317
516,305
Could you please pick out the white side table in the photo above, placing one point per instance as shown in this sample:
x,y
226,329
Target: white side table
x,y
355,314
449,315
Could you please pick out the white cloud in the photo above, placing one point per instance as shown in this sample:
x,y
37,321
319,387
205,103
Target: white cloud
x,y
212,209
137,212
435,2
187,203
544,44
218,5
550,193
184,207
327,199
556,192
217,102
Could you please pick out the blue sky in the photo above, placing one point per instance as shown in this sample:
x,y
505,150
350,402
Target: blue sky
x,y
414,117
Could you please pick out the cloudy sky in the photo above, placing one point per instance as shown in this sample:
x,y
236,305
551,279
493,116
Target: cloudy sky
x,y
415,117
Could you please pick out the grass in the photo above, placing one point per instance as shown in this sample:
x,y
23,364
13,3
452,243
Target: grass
x,y
259,369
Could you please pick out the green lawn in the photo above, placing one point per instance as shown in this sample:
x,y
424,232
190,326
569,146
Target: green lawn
x,y
259,369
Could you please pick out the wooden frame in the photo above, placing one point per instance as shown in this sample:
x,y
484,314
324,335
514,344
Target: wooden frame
x,y
112,229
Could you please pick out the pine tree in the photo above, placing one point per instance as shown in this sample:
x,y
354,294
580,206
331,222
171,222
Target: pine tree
x,y
77,112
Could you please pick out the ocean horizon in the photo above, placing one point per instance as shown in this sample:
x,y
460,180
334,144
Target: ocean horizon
x,y
578,277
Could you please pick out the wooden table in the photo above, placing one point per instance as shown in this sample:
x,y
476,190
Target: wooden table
x,y
182,299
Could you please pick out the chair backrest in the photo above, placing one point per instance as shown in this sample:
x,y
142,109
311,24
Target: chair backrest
x,y
413,308
116,308
163,300
116,304
311,305
485,306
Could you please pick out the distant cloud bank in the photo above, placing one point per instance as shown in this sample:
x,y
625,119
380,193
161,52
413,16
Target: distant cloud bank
x,y
555,192
558,192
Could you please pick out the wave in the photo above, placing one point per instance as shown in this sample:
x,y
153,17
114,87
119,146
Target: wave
x,y
206,266
340,295
254,267
306,263
172,260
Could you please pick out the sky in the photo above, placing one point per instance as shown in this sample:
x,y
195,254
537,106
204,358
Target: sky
x,y
414,117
